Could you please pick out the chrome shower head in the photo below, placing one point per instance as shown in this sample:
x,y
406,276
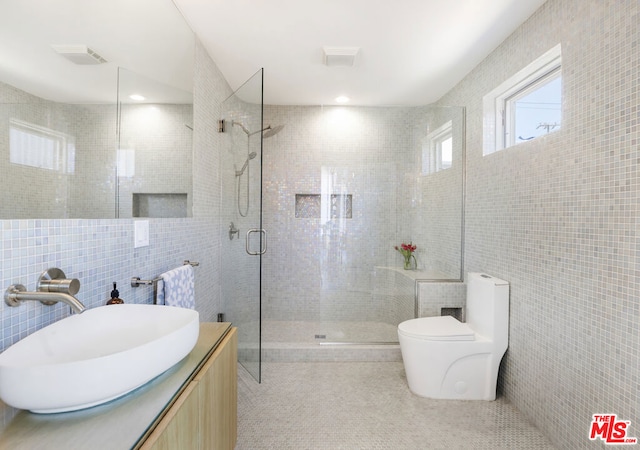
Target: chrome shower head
x,y
269,131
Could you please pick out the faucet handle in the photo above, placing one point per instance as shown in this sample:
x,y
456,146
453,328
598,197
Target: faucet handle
x,y
54,280
10,294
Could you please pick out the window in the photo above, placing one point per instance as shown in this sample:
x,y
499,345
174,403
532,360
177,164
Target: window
x,y
36,146
437,150
526,106
126,162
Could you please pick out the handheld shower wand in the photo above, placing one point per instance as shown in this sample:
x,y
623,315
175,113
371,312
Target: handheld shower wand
x,y
246,163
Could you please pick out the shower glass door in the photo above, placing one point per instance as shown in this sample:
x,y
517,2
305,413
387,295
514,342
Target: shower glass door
x,y
343,187
243,237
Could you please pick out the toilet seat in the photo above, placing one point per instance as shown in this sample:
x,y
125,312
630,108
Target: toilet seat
x,y
440,328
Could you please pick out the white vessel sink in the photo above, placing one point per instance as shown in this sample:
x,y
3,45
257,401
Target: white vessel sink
x,y
90,358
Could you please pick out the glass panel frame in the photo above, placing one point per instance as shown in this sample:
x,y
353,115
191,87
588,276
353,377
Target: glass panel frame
x,y
241,208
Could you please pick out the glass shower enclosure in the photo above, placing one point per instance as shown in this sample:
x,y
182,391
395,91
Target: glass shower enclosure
x,y
337,189
244,238
344,186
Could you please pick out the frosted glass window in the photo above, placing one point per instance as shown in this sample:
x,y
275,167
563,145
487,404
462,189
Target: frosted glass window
x,y
126,162
446,152
35,146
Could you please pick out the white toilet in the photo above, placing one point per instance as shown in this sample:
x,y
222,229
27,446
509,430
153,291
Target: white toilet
x,y
445,358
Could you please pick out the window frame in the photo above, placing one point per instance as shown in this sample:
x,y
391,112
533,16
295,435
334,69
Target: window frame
x,y
496,120
61,160
432,149
509,105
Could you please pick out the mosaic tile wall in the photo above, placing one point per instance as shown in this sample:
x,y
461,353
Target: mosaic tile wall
x,y
558,218
163,154
434,296
83,189
87,190
100,251
393,298
320,269
91,195
432,208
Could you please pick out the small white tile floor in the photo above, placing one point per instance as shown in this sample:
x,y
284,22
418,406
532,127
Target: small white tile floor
x,y
367,405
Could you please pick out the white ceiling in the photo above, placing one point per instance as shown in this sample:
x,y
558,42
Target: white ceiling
x,y
411,51
147,37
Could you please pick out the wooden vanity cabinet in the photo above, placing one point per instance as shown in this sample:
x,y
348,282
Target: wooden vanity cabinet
x,y
204,415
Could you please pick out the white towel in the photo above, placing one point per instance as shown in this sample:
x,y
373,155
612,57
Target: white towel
x,y
176,288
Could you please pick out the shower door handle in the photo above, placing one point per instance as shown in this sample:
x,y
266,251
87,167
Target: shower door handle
x,y
263,241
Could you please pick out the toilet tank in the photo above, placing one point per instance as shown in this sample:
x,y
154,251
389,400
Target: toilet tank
x,y
487,309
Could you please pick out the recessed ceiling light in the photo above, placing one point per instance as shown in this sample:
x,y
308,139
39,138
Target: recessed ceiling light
x,y
342,99
136,97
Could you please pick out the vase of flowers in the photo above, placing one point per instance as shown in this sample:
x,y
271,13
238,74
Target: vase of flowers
x,y
407,250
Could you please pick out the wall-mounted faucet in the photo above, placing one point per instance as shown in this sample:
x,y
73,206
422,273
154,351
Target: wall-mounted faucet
x,y
53,286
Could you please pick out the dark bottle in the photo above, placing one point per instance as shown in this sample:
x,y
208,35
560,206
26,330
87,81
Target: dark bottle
x,y
114,297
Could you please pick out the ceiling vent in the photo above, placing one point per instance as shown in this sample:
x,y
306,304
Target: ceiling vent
x,y
79,54
340,56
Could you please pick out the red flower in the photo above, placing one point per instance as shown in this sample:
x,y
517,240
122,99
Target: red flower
x,y
406,249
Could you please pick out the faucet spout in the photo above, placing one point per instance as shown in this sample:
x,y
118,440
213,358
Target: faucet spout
x,y
17,293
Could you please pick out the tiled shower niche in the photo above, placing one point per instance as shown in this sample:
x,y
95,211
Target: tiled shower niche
x,y
160,205
317,206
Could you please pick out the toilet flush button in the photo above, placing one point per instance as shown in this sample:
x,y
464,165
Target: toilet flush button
x,y
460,387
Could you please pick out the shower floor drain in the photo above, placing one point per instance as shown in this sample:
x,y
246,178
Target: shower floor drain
x,y
321,336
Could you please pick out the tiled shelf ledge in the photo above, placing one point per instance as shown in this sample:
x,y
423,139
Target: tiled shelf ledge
x,y
419,275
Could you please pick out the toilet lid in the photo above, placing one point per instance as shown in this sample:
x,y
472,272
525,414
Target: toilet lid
x,y
440,328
